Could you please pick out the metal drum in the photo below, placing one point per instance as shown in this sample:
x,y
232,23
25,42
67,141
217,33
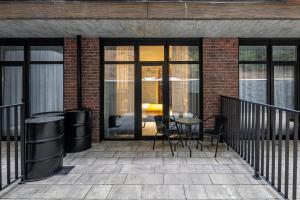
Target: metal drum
x,y
78,129
44,146
48,114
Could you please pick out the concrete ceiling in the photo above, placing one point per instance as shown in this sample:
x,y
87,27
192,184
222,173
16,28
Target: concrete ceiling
x,y
150,28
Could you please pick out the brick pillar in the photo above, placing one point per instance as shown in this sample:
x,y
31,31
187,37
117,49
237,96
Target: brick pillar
x,y
220,72
70,73
91,81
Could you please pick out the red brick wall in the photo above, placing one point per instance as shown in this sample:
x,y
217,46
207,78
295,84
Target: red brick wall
x,y
220,75
220,72
90,78
70,73
91,81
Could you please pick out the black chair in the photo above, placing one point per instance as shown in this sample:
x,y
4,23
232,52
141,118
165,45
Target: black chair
x,y
217,131
162,124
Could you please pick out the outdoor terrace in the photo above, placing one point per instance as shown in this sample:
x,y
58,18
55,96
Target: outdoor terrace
x,y
132,170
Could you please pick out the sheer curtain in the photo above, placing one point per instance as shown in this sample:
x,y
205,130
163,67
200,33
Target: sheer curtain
x,y
119,92
184,80
11,82
46,80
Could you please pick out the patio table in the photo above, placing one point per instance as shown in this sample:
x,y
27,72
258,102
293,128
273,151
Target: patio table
x,y
189,122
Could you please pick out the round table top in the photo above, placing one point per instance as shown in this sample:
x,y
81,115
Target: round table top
x,y
188,121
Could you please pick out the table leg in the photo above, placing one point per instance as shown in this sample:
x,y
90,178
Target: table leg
x,y
189,137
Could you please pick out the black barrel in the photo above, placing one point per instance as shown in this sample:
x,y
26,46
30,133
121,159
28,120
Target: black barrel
x,y
78,124
44,146
48,114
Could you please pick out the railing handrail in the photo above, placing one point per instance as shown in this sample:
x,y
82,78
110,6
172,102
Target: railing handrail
x,y
12,105
263,104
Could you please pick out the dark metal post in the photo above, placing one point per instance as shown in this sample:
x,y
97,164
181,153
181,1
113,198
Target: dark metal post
x,y
295,152
23,149
79,73
257,136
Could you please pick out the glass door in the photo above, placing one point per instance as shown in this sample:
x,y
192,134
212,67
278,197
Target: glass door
x,y
151,97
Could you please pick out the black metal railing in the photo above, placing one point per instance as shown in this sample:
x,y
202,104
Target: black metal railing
x,y
266,137
11,144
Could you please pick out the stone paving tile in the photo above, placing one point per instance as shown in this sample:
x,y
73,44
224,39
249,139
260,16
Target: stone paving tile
x,y
67,191
221,192
195,192
125,192
132,170
116,179
144,179
163,192
98,192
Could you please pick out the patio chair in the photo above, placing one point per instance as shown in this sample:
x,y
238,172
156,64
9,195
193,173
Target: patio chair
x,y
162,124
217,131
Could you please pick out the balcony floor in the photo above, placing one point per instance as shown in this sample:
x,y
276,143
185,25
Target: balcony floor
x,y
132,170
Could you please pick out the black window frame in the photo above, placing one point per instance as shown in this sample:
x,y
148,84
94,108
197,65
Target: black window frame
x,y
269,43
27,43
136,42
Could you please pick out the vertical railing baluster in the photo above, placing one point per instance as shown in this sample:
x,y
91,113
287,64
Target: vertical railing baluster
x,y
268,144
8,129
273,118
238,120
287,141
253,134
295,154
16,142
246,129
257,135
242,127
249,131
23,150
262,157
1,131
280,130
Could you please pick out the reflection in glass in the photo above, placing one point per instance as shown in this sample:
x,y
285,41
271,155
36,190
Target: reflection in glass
x,y
152,98
151,53
46,88
184,89
46,53
11,53
119,100
284,86
184,53
253,53
119,53
284,53
253,82
12,85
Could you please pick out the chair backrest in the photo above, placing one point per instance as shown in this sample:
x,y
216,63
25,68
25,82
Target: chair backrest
x,y
160,123
220,120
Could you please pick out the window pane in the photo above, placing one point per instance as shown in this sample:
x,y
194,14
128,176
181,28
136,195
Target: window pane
x,y
184,53
46,88
119,53
151,53
253,82
11,53
46,53
284,53
12,84
152,97
253,53
284,86
184,89
119,101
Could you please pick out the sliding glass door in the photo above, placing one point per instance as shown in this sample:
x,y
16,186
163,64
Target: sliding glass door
x,y
119,92
144,79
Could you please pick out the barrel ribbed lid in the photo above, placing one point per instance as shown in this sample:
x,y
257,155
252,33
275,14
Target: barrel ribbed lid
x,y
45,119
